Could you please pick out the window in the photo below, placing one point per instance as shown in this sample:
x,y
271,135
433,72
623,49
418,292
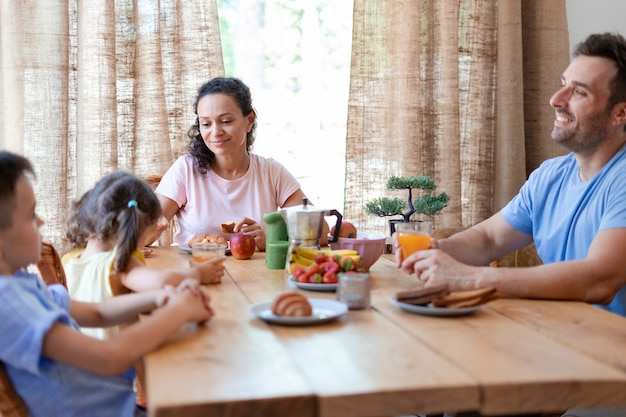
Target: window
x,y
295,57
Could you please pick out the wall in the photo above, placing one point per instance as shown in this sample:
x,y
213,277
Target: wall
x,y
590,16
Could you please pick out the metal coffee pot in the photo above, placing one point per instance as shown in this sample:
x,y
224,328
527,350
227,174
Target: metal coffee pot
x,y
304,226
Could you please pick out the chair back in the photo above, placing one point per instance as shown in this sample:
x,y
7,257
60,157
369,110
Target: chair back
x,y
11,404
167,237
50,266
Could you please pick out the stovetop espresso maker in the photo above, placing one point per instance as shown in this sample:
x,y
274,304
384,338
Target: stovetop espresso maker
x,y
304,227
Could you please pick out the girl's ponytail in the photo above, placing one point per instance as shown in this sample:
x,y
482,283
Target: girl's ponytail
x,y
128,235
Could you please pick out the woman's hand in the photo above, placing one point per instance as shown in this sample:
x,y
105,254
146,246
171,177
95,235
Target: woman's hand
x,y
248,225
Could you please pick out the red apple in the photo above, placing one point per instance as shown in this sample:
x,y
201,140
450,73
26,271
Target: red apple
x,y
346,229
242,245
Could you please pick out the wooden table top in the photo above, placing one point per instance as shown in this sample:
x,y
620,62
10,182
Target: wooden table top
x,y
510,356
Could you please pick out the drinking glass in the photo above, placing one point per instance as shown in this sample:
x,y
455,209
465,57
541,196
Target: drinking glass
x,y
353,289
413,236
205,251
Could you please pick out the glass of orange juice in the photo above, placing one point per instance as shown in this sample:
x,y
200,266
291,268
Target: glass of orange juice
x,y
205,251
413,236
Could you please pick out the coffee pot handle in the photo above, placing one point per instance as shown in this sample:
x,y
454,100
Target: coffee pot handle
x,y
335,235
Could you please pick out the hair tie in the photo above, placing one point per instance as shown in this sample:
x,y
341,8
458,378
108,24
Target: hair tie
x,y
132,203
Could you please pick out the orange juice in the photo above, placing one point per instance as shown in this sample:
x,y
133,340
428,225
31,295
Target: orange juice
x,y
202,252
203,258
412,241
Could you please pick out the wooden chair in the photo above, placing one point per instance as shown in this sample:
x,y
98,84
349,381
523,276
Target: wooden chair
x,y
50,266
11,404
167,237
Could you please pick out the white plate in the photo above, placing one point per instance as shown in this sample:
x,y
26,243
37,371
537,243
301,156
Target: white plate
x,y
187,248
429,310
323,311
312,286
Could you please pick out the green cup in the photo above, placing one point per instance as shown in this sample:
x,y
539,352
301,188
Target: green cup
x,y
276,254
276,229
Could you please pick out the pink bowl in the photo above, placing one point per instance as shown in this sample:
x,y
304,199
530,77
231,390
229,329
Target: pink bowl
x,y
369,246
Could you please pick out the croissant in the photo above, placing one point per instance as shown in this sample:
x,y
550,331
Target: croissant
x,y
209,238
291,304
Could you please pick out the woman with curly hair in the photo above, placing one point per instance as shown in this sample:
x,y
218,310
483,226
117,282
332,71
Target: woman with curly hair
x,y
220,181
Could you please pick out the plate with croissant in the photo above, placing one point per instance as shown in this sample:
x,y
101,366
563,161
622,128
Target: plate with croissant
x,y
439,301
294,309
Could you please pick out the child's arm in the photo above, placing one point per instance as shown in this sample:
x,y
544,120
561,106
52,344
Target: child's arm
x,y
121,309
115,355
142,278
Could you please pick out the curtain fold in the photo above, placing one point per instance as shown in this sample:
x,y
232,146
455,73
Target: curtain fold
x,y
466,101
34,73
455,90
90,87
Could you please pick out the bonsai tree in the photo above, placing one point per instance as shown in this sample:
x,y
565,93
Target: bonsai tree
x,y
427,204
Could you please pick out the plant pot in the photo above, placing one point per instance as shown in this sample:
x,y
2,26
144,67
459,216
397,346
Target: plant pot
x,y
392,225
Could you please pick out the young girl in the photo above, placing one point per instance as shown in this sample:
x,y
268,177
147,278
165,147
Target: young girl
x,y
107,225
57,370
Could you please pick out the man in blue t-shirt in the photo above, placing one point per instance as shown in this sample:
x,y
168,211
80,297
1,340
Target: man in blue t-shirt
x,y
573,207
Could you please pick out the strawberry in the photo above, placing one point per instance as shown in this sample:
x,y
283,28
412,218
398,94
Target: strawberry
x,y
309,272
320,258
347,264
330,278
316,278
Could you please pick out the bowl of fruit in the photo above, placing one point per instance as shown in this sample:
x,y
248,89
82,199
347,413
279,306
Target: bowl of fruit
x,y
318,270
368,245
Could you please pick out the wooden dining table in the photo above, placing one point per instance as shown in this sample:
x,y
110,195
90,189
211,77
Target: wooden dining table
x,y
509,356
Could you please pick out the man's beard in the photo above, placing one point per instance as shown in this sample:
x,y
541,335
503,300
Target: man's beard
x,y
586,140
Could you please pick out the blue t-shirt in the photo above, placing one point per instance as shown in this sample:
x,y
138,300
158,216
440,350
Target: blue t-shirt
x,y
28,309
564,214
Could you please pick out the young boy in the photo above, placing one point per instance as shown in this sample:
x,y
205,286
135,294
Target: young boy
x,y
57,370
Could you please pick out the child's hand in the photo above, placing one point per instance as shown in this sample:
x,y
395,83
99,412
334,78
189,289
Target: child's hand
x,y
210,272
197,297
162,224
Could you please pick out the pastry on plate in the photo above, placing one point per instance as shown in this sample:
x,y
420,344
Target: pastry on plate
x,y
209,238
291,304
422,296
463,299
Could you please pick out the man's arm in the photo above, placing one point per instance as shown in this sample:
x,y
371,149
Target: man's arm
x,y
485,242
595,279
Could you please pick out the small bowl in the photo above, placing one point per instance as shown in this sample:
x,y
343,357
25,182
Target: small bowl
x,y
369,246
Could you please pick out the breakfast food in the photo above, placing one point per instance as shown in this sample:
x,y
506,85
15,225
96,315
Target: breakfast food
x,y
422,296
462,299
228,227
440,296
292,304
209,238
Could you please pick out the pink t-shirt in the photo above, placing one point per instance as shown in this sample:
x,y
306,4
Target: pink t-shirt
x,y
207,201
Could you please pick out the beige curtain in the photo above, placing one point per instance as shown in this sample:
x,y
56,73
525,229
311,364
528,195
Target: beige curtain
x,y
455,90
92,86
